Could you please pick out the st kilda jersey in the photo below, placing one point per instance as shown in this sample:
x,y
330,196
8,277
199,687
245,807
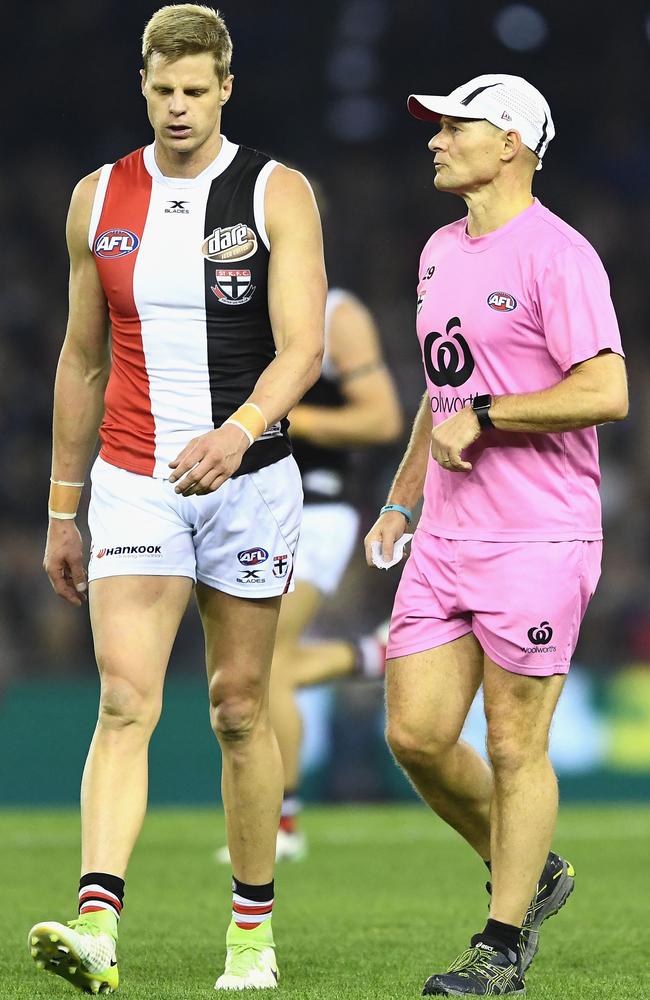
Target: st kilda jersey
x,y
324,470
184,267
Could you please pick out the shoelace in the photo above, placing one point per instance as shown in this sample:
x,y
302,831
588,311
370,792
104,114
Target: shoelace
x,y
83,926
239,961
476,960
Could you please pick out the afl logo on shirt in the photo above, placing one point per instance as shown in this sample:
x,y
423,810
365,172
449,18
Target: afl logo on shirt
x,y
116,243
502,302
230,243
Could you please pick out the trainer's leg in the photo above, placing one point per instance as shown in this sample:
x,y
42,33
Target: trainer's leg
x,y
298,664
134,621
428,697
519,710
239,635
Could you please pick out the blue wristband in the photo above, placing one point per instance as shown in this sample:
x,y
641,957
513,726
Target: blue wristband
x,y
402,510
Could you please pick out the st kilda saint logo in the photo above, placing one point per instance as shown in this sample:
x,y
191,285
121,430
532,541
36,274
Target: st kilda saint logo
x,y
233,287
540,635
448,361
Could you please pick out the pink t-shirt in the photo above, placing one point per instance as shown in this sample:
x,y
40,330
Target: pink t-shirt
x,y
511,312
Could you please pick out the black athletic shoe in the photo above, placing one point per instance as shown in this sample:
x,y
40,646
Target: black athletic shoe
x,y
553,889
481,971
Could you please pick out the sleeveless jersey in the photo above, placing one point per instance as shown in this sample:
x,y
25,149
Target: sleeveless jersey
x,y
184,266
323,470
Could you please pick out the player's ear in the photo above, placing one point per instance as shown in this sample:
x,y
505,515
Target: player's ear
x,y
143,79
226,89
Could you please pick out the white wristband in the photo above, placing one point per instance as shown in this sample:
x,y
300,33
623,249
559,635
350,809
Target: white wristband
x,y
57,515
246,431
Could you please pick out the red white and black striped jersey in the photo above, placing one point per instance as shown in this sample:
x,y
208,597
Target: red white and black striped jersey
x,y
184,266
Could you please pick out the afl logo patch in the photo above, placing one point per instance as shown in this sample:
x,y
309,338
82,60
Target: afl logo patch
x,y
116,243
252,557
230,243
502,302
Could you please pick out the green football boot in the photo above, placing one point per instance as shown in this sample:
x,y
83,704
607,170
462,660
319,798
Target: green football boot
x,y
250,959
82,951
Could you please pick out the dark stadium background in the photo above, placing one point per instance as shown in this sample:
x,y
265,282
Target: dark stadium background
x,y
322,86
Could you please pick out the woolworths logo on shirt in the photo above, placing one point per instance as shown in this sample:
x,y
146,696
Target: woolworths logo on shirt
x,y
448,360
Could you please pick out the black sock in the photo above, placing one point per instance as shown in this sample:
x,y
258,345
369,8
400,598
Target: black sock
x,y
101,891
501,935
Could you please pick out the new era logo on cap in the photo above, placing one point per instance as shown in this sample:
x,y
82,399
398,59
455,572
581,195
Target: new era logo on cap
x,y
498,98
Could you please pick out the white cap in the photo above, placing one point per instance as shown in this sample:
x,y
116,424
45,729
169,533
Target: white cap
x,y
509,102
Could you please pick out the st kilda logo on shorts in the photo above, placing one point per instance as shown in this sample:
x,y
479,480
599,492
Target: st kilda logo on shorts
x,y
227,243
501,301
448,361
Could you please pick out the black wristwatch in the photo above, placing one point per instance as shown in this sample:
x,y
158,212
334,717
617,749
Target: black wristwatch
x,y
481,406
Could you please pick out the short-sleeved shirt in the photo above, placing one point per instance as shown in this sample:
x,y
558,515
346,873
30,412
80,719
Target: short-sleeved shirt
x,y
506,313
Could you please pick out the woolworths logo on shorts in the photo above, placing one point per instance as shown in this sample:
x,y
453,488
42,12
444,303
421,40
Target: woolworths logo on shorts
x,y
130,551
540,636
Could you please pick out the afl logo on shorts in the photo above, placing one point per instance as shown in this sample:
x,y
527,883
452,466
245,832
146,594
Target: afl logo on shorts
x,y
502,302
116,243
252,557
230,243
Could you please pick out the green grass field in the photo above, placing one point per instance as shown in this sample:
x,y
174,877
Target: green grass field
x,y
387,896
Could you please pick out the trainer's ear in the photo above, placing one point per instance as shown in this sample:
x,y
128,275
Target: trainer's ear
x,y
511,145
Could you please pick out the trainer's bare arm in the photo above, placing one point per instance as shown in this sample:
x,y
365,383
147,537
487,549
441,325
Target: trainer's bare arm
x,y
371,413
81,376
407,487
594,392
297,290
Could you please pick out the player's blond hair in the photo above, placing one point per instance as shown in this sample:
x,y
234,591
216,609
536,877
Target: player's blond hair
x,y
185,29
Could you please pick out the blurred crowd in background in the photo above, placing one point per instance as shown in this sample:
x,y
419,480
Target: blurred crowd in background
x,y
323,86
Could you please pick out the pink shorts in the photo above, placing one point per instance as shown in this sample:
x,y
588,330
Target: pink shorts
x,y
524,601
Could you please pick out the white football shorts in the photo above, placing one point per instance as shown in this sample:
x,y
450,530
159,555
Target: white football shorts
x,y
240,539
327,537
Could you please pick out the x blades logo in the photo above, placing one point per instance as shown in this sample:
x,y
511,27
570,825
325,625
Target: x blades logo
x,y
177,207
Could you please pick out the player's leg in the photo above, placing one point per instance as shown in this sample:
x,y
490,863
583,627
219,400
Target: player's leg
x,y
134,621
428,696
239,634
245,539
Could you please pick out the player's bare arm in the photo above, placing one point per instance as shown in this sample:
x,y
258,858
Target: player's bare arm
x,y
407,486
371,413
81,376
594,392
297,291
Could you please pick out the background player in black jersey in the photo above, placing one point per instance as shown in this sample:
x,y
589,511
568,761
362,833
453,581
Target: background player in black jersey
x,y
205,511
354,404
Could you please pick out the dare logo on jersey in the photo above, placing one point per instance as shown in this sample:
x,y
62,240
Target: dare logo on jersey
x,y
116,243
502,302
230,243
252,557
